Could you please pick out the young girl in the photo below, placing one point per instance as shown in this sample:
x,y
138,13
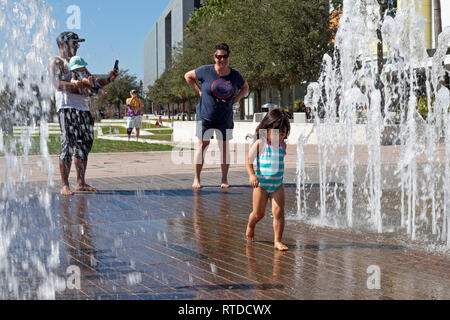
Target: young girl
x,y
269,151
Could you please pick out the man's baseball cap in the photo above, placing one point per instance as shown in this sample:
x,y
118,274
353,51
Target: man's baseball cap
x,y
133,91
67,36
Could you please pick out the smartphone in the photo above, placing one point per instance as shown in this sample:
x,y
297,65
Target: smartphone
x,y
116,65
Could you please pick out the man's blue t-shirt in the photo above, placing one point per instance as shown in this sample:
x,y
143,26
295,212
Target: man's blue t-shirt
x,y
218,92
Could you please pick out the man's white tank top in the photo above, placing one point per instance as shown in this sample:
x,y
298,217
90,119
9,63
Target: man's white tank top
x,y
68,100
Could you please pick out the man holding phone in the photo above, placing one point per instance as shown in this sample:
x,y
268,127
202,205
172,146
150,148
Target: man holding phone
x,y
134,113
75,119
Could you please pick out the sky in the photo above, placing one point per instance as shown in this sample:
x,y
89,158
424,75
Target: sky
x,y
116,29
113,29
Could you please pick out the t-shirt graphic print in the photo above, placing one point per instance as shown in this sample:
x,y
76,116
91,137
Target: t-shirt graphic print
x,y
218,92
222,89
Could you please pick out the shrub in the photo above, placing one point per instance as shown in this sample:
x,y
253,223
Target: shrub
x,y
299,106
422,106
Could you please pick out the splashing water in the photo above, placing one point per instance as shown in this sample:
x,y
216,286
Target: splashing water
x,y
25,91
411,195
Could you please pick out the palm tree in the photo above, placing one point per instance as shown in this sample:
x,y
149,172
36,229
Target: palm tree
x,y
379,83
387,7
437,20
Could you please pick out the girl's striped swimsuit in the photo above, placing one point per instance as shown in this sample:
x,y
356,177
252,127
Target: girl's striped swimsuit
x,y
270,167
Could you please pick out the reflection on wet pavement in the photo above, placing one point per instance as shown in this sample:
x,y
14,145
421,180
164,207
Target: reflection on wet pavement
x,y
176,243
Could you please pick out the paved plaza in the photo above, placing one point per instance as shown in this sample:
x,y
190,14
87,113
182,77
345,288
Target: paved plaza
x,y
150,236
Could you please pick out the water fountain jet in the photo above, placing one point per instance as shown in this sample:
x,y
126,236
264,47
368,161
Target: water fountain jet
x,y
25,89
348,86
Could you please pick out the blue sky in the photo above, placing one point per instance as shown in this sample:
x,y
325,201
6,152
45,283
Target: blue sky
x,y
113,29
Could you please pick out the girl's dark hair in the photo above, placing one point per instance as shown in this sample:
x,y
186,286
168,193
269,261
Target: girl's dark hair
x,y
222,46
275,119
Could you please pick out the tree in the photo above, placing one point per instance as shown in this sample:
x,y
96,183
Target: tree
x,y
298,42
203,30
7,100
437,20
274,44
386,7
336,4
335,17
195,51
16,110
248,33
119,90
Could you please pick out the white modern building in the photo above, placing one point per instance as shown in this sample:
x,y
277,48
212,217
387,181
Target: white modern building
x,y
166,34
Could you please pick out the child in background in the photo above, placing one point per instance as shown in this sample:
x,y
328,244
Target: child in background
x,y
159,122
77,66
269,151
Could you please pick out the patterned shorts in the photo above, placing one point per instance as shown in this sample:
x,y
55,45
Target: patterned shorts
x,y
77,134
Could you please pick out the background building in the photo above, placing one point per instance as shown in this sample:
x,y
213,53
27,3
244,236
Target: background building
x,y
166,34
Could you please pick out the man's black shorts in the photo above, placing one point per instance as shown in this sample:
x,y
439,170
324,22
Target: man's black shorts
x,y
205,130
77,134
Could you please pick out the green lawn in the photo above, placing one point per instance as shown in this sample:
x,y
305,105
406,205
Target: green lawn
x,y
108,146
16,148
122,130
164,137
100,146
149,125
167,131
114,130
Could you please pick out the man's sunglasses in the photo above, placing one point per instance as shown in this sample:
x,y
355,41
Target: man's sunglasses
x,y
219,57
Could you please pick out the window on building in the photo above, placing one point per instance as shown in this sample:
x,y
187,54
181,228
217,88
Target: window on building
x,y
168,46
197,4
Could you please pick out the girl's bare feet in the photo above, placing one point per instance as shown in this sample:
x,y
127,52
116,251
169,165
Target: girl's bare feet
x,y
280,246
250,234
65,191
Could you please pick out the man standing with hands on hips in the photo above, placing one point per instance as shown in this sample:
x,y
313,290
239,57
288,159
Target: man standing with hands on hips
x,y
75,119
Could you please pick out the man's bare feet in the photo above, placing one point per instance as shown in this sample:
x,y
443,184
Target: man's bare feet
x,y
65,191
224,184
250,234
85,187
196,184
280,246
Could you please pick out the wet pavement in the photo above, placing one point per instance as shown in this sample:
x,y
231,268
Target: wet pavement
x,y
152,237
